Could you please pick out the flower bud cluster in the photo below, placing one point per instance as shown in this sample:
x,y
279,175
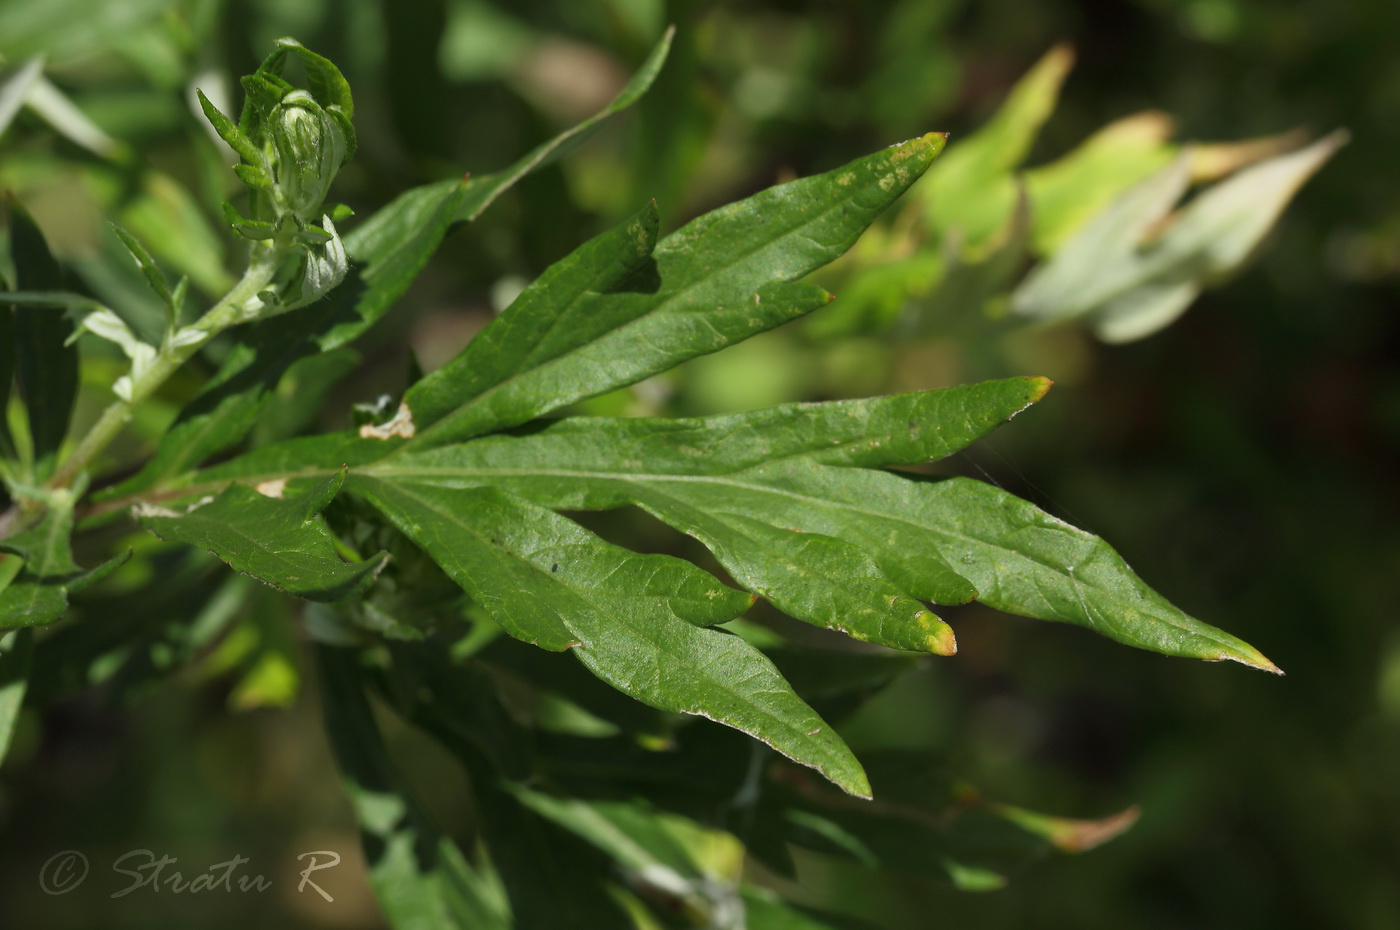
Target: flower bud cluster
x,y
291,143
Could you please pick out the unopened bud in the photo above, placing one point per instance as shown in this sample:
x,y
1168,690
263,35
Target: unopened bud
x,y
311,146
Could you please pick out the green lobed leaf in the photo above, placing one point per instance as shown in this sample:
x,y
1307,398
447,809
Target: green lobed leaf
x,y
722,278
723,480
636,621
279,541
726,480
931,540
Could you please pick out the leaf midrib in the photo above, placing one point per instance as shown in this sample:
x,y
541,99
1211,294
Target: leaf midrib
x,y
725,480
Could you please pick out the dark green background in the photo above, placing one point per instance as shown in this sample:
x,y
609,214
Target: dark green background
x,y
1243,460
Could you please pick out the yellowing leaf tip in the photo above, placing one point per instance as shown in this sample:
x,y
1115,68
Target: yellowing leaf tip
x,y
940,639
936,140
1256,660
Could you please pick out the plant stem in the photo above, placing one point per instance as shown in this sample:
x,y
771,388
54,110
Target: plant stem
x,y
227,312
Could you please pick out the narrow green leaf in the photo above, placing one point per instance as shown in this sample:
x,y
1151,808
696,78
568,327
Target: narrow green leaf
x,y
54,107
16,654
51,300
47,366
631,619
484,194
279,541
174,221
154,276
899,429
390,248
722,278
230,133
548,319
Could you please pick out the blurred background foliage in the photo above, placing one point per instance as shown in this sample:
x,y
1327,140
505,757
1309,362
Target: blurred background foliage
x,y
1241,458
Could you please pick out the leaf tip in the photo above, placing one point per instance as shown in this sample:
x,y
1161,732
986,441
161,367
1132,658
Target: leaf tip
x,y
1246,654
936,142
938,635
1060,58
1040,386
1259,661
1079,836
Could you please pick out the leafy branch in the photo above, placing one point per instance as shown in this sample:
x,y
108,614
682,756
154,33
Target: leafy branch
x,y
440,526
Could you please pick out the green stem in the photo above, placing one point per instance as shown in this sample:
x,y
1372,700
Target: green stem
x,y
227,312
